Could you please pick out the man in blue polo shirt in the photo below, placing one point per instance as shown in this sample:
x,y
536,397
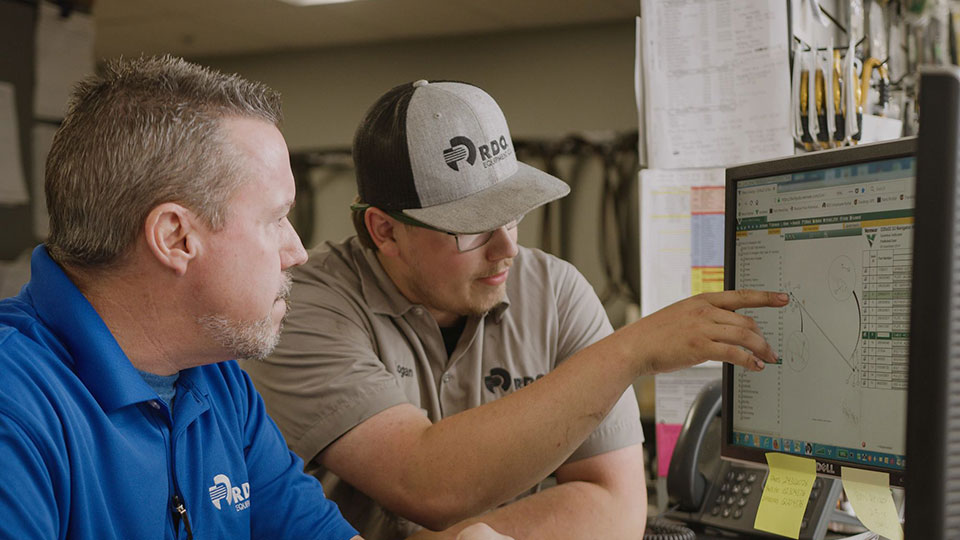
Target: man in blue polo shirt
x,y
168,187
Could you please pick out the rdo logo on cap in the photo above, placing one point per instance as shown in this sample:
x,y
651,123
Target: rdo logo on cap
x,y
460,148
463,148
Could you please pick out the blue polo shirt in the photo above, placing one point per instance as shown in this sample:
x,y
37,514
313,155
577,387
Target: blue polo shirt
x,y
88,450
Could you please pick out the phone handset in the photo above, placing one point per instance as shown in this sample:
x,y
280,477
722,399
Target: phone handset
x,y
686,485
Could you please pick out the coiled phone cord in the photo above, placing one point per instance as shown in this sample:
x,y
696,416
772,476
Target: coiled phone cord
x,y
660,529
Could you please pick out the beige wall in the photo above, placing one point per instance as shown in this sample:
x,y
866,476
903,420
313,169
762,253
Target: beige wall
x,y
548,82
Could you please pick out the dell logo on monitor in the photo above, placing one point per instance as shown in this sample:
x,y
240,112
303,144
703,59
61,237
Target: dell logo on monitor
x,y
826,468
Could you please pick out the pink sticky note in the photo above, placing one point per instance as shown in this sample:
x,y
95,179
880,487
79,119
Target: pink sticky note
x,y
666,439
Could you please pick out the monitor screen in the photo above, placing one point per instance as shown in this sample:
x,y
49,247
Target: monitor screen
x,y
833,229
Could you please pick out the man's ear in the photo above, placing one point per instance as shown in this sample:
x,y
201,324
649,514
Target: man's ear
x,y
172,236
383,230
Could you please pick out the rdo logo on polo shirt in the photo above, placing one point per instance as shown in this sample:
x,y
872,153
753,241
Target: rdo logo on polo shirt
x,y
500,378
222,489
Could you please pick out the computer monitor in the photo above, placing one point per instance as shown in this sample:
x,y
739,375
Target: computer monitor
x,y
933,406
834,229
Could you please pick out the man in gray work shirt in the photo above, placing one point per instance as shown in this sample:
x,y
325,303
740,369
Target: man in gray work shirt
x,y
432,370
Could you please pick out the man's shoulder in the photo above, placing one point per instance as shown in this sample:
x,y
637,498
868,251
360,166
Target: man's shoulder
x,y
23,336
37,370
535,256
343,276
534,265
16,312
541,283
334,263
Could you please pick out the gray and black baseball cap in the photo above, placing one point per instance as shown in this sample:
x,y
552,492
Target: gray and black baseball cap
x,y
441,153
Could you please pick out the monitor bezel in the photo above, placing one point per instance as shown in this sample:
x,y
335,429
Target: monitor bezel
x,y
932,405
826,159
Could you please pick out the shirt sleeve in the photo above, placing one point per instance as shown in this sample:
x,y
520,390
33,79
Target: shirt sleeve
x,y
582,321
326,376
297,506
28,505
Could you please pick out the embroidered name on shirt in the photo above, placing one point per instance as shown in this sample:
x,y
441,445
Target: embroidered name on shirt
x,y
404,371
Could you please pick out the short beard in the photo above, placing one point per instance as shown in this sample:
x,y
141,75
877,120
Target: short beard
x,y
243,339
246,339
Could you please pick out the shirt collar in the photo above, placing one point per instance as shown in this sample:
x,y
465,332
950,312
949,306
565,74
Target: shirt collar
x,y
99,361
380,292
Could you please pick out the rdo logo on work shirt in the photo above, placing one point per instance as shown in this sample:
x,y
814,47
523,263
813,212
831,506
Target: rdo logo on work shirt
x,y
222,489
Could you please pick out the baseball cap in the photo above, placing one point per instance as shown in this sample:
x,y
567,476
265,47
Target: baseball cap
x,y
441,153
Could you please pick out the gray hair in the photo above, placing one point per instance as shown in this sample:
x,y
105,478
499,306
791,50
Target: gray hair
x,y
141,133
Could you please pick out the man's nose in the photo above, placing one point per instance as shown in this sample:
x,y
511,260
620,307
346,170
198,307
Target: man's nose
x,y
503,244
292,252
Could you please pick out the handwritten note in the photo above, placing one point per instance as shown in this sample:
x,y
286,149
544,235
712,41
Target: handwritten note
x,y
869,494
716,84
785,495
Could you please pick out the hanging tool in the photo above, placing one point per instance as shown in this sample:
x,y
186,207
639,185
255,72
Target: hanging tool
x,y
878,107
805,136
839,106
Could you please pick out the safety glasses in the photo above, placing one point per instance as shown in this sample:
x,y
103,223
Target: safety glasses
x,y
465,242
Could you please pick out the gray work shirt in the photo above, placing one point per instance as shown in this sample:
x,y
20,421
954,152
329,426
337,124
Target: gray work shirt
x,y
354,346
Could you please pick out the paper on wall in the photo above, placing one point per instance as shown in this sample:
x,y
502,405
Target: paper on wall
x,y
879,128
706,232
678,228
64,56
716,82
667,227
675,393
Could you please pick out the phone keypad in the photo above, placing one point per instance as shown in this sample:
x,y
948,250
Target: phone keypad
x,y
737,485
733,500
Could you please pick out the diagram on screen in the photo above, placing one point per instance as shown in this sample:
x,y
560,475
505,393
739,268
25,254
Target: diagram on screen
x,y
843,338
797,353
821,335
841,282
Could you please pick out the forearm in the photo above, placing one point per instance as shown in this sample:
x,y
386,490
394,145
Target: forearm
x,y
574,511
473,461
468,463
487,455
513,442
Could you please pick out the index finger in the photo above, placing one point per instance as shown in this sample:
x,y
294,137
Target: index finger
x,y
744,298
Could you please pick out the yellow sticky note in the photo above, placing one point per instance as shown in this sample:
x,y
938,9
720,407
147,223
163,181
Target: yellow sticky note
x,y
785,495
869,494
